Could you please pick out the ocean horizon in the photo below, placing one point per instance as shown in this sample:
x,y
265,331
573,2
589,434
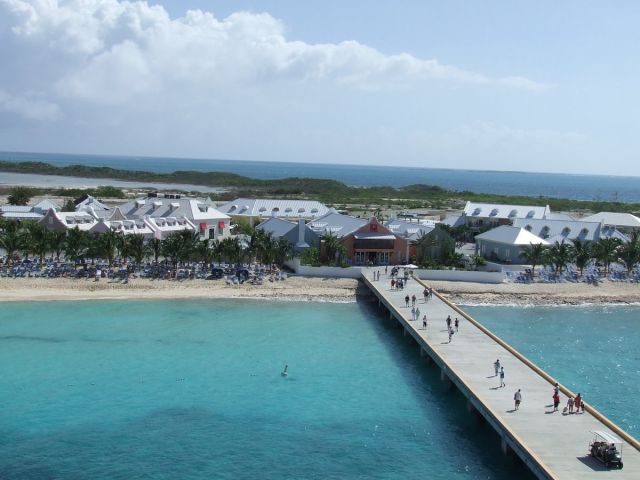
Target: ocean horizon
x,y
530,184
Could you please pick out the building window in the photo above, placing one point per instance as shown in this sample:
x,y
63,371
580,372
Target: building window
x,y
507,253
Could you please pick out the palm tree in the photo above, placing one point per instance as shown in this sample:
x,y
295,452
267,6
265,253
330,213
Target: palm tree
x,y
216,248
154,247
582,254
37,239
331,245
606,251
231,249
11,239
171,248
629,253
57,242
559,256
76,244
136,248
189,244
282,252
534,255
107,244
423,244
205,252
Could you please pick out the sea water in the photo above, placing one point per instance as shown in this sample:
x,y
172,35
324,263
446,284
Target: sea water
x,y
193,390
572,186
593,350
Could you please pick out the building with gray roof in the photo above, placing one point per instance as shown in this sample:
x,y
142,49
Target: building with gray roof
x,y
298,234
336,224
257,209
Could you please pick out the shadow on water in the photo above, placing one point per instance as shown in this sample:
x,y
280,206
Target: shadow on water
x,y
465,431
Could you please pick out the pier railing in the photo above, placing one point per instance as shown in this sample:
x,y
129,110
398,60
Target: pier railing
x,y
595,413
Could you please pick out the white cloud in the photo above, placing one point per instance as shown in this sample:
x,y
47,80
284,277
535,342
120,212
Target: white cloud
x,y
28,108
111,52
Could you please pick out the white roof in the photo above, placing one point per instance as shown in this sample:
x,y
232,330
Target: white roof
x,y
45,204
615,219
268,207
336,224
511,236
194,209
508,212
559,230
82,220
22,215
410,230
90,202
607,437
15,208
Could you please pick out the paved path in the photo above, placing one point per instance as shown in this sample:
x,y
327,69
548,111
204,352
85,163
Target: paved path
x,y
555,443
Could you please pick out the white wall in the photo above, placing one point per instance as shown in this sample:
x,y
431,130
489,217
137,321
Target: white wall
x,y
460,276
355,272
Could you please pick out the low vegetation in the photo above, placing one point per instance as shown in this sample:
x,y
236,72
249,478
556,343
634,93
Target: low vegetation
x,y
329,191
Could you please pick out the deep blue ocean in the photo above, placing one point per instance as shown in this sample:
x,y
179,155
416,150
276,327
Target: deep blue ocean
x,y
192,390
577,187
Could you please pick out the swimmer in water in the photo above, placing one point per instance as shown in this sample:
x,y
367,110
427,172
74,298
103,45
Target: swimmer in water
x,y
284,372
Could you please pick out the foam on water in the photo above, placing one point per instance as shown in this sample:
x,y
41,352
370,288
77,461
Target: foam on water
x,y
192,389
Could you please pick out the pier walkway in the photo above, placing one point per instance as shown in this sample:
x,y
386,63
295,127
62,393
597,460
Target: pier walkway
x,y
551,444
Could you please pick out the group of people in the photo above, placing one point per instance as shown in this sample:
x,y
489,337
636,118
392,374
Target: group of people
x,y
451,325
574,405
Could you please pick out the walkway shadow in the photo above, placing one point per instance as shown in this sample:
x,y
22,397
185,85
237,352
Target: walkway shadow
x,y
511,411
593,463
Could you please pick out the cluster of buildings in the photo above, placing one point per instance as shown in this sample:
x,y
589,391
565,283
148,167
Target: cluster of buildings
x,y
500,232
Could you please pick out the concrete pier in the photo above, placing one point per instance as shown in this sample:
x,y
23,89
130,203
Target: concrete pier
x,y
552,445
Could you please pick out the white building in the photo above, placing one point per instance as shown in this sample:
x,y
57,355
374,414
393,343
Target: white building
x,y
257,209
505,243
209,222
490,215
625,222
62,221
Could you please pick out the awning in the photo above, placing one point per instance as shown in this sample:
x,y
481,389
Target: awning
x,y
373,236
221,224
203,226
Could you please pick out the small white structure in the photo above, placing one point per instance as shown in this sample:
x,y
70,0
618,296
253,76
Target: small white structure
x,y
505,243
625,222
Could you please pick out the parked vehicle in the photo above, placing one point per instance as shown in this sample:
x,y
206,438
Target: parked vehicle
x,y
606,448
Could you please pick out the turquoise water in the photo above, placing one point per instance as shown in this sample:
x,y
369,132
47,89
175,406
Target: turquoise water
x,y
594,350
192,390
578,187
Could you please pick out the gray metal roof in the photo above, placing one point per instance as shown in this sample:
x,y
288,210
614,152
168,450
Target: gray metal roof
x,y
267,207
276,226
410,230
511,236
569,230
336,224
495,210
191,208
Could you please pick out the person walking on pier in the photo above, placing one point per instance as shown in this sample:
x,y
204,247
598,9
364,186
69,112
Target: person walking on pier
x,y
425,294
556,400
502,384
406,301
577,402
413,313
450,331
517,398
456,323
448,321
496,367
424,322
413,299
570,404
417,313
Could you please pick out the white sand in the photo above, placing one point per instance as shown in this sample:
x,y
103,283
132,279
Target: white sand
x,y
538,293
313,289
294,288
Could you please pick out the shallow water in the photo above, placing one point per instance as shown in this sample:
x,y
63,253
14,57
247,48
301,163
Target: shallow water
x,y
594,350
192,389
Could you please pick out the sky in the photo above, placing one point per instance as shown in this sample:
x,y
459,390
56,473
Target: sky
x,y
494,85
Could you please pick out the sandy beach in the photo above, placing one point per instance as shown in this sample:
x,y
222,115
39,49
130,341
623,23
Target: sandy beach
x,y
294,289
538,293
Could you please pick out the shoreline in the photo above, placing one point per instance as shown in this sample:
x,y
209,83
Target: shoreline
x,y
539,294
61,289
306,289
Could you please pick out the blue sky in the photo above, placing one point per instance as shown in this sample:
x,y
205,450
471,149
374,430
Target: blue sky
x,y
533,86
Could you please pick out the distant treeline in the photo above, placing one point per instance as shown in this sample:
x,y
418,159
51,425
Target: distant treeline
x,y
329,191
